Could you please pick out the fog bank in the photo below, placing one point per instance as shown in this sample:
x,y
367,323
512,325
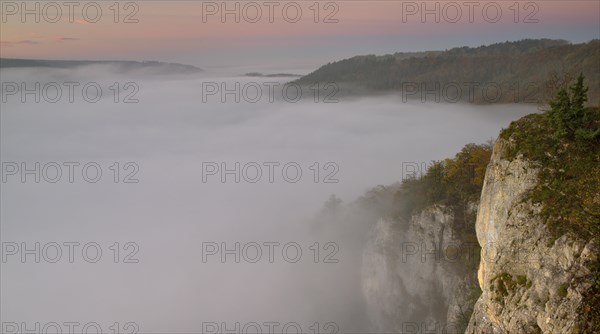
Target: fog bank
x,y
177,147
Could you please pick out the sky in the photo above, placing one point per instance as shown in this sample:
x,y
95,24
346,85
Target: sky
x,y
287,34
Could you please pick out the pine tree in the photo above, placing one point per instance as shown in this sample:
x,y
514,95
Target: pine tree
x,y
559,110
567,111
578,100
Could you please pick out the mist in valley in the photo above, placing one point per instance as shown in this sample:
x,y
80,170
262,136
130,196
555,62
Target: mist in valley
x,y
176,198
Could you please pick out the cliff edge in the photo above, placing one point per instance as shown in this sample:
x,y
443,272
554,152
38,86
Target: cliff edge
x,y
537,227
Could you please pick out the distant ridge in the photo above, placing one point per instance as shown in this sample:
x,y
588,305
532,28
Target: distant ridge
x,y
121,66
522,69
274,75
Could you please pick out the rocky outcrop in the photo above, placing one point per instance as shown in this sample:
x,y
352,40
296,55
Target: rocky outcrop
x,y
505,270
413,274
531,281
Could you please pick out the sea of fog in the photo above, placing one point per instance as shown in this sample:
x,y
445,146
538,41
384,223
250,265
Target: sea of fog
x,y
162,217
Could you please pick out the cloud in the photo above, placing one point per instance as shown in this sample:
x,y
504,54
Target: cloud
x,y
26,42
68,39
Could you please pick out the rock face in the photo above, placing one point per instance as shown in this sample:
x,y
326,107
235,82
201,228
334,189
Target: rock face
x,y
530,281
412,274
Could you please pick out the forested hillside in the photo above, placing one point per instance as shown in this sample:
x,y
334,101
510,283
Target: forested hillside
x,y
527,71
119,65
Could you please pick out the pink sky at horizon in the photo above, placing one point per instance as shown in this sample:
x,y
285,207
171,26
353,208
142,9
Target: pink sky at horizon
x,y
176,31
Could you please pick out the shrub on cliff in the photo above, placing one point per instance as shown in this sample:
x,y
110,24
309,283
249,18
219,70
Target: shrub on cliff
x,y
454,182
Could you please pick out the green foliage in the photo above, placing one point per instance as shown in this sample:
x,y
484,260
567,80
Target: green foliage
x,y
565,145
560,113
452,182
568,115
562,290
505,284
521,71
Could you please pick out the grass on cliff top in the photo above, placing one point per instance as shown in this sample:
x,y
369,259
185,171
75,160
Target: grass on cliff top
x,y
569,181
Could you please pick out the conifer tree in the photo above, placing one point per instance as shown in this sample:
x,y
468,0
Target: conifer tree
x,y
568,113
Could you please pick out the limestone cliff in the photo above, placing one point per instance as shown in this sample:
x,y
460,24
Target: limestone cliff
x,y
531,281
414,277
537,235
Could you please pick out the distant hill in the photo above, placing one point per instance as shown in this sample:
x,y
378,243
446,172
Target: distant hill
x,y
274,75
522,71
155,67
